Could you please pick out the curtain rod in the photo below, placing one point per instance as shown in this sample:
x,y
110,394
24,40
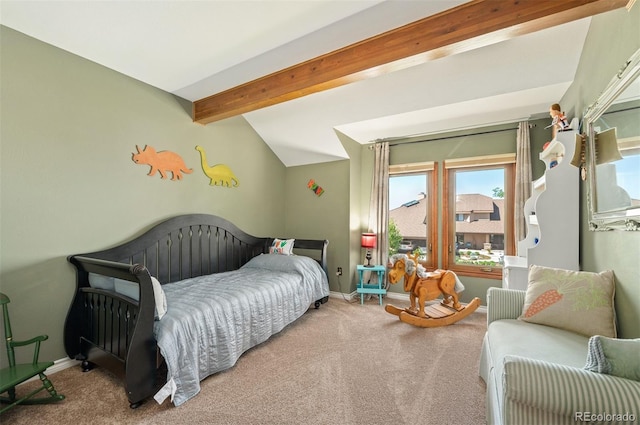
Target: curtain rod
x,y
393,141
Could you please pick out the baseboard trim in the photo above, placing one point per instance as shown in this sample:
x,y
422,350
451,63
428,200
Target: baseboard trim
x,y
342,295
58,365
62,364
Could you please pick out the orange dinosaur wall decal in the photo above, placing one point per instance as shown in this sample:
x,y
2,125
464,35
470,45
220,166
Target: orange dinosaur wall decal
x,y
162,162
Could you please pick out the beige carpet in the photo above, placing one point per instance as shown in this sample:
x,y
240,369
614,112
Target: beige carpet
x,y
342,364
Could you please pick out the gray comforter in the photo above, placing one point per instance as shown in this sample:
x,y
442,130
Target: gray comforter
x,y
211,320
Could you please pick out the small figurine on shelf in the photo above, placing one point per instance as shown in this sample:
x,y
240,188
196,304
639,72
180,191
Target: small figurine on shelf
x,y
559,121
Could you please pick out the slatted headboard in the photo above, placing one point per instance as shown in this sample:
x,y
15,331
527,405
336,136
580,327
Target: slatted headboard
x,y
188,246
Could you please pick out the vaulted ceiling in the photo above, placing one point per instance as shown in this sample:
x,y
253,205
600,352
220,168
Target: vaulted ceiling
x,y
300,71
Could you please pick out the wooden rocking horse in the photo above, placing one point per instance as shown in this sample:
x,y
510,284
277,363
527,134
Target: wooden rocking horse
x,y
423,289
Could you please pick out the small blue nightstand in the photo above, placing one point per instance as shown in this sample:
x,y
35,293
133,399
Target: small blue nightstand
x,y
370,288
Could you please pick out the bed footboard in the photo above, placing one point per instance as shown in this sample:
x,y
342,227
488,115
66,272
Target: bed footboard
x,y
112,330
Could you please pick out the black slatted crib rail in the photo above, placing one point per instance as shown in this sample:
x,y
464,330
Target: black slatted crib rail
x,y
101,324
108,322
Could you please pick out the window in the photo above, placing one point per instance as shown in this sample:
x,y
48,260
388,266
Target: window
x,y
412,212
473,217
478,215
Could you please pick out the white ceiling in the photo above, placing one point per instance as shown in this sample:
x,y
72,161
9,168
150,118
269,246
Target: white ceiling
x,y
194,49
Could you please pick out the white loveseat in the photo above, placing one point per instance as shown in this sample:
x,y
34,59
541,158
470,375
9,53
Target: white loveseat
x,y
535,373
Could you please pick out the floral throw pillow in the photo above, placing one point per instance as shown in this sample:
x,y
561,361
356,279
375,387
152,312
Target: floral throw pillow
x,y
282,246
580,302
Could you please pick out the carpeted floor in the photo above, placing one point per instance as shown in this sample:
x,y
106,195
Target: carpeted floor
x,y
341,364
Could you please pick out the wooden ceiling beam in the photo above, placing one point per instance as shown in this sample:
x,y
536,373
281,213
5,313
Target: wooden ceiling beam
x,y
469,26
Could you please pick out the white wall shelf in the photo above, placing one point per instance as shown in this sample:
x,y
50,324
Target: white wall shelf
x,y
552,216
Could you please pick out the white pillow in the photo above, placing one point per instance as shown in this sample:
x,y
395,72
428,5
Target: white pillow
x,y
132,290
161,298
282,246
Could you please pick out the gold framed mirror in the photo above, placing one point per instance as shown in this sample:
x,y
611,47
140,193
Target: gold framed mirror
x,y
613,152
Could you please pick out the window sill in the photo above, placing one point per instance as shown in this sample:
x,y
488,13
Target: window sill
x,y
495,273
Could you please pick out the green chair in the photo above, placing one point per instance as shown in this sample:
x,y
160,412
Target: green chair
x,y
16,374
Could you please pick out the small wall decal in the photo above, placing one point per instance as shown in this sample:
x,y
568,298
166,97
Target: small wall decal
x,y
220,174
162,162
316,189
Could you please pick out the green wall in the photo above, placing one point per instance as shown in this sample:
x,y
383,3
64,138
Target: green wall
x,y
613,37
320,217
358,193
68,184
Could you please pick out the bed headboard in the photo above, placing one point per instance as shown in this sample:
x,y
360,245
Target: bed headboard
x,y
196,244
315,248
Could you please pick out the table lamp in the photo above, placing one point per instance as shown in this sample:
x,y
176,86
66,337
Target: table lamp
x,y
368,242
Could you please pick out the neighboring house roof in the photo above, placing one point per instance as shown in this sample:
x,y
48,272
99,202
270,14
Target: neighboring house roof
x,y
480,204
473,203
411,217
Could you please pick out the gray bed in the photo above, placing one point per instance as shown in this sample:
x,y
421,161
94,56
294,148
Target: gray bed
x,y
194,291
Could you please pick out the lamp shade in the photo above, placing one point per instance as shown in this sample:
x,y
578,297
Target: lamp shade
x,y
368,240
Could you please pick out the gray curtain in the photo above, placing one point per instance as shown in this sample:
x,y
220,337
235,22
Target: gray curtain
x,y
523,179
379,206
